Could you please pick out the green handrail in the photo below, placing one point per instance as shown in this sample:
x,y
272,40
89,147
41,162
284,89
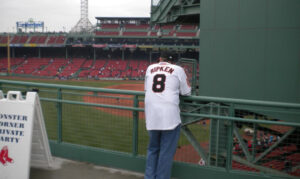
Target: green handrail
x,y
140,93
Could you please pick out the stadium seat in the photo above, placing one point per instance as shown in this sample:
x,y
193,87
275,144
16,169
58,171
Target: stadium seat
x,y
41,39
135,33
186,34
15,39
54,68
57,39
97,68
72,67
33,39
23,39
136,27
107,33
110,26
13,61
61,40
188,27
4,40
31,66
51,40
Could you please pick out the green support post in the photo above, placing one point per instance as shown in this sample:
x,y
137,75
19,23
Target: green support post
x,y
244,146
218,137
59,116
67,54
230,139
13,52
123,54
94,54
135,127
254,142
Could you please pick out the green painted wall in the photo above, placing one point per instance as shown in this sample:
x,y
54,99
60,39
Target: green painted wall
x,y
250,49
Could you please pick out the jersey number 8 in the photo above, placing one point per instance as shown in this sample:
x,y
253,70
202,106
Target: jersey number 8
x,y
159,83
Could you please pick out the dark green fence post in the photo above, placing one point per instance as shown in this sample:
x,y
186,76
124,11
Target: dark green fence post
x,y
230,138
59,116
254,142
135,127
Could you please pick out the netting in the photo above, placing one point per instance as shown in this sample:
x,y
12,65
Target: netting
x,y
257,145
190,68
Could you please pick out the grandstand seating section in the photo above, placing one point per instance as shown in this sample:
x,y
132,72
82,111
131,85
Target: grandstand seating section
x,y
41,39
135,33
186,34
188,27
237,165
87,67
34,39
81,68
71,68
133,26
145,30
56,40
153,33
19,39
3,40
23,39
110,26
14,62
276,159
51,40
61,39
15,39
28,66
55,67
107,33
126,30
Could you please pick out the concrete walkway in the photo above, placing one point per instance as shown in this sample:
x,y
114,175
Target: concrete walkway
x,y
67,169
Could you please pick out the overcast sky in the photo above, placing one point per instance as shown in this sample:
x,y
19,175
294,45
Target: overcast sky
x,y
64,14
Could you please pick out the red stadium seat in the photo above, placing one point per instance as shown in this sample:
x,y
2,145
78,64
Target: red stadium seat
x,y
138,33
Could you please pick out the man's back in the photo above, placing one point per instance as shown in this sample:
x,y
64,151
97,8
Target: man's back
x,y
163,84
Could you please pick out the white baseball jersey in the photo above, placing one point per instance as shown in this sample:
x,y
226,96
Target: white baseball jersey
x,y
163,84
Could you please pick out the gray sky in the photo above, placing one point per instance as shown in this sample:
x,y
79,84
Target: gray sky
x,y
60,14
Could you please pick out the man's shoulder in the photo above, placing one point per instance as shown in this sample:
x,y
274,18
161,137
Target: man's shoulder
x,y
179,68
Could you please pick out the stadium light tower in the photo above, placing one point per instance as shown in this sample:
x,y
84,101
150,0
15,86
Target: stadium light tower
x,y
84,24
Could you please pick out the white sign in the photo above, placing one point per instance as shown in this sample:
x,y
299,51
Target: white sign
x,y
19,119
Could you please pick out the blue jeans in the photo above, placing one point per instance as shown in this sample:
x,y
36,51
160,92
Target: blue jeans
x,y
161,150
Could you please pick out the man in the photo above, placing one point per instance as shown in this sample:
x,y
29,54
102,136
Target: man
x,y
164,82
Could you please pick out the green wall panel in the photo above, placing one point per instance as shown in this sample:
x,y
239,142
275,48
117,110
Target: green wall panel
x,y
253,13
283,13
208,19
226,20
250,49
282,71
250,66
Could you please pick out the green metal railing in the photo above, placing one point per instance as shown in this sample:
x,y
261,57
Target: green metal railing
x,y
107,127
